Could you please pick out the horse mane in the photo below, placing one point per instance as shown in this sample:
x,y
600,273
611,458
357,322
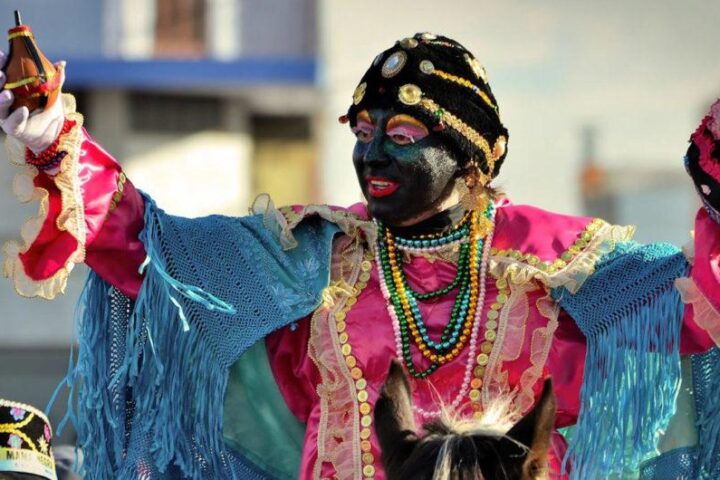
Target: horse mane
x,y
502,442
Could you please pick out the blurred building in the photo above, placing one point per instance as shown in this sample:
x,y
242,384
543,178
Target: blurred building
x,y
206,103
658,200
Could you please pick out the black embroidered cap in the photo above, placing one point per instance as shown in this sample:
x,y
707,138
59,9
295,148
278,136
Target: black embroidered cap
x,y
25,441
438,81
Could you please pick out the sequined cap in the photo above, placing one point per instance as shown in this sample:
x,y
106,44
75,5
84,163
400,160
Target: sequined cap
x,y
438,81
25,441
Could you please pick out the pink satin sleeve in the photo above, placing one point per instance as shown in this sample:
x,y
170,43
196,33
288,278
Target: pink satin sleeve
x,y
117,252
566,362
112,247
701,325
295,373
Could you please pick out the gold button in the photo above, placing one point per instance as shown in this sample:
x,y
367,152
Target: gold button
x,y
361,384
479,372
364,277
490,335
482,359
346,349
365,408
350,361
365,445
368,457
368,471
362,395
364,434
355,373
365,266
340,326
343,338
491,325
492,314
486,347
474,395
366,420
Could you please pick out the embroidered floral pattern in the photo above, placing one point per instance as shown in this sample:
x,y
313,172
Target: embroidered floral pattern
x,y
17,413
15,441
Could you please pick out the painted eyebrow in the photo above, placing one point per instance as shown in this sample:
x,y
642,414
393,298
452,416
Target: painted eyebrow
x,y
403,119
364,116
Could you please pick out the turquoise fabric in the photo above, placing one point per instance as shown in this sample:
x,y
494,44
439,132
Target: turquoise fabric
x,y
151,377
257,422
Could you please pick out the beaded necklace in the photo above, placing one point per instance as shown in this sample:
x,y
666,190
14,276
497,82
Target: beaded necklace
x,y
402,301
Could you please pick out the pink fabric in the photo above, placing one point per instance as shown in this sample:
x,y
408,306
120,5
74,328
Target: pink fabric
x,y
117,252
97,174
706,269
112,246
52,247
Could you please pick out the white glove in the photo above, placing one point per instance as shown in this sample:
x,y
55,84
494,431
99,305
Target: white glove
x,y
38,130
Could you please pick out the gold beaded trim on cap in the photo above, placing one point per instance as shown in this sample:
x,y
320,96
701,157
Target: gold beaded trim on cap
x,y
491,154
465,83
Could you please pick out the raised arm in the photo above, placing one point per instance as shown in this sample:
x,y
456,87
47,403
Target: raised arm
x,y
89,211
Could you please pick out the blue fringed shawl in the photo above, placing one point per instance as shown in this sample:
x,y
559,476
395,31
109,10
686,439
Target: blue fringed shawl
x,y
154,374
630,314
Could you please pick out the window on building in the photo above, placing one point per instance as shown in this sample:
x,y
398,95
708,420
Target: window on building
x,y
180,28
152,112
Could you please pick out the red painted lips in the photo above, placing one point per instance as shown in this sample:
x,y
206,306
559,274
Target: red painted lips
x,y
380,186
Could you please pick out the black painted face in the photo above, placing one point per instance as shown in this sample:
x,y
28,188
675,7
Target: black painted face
x,y
404,170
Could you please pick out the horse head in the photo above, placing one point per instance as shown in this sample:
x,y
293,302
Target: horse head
x,y
448,452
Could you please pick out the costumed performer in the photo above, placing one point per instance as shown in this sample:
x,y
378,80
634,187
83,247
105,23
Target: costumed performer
x,y
479,298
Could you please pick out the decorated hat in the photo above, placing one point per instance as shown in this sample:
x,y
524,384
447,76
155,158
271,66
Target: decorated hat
x,y
438,81
25,440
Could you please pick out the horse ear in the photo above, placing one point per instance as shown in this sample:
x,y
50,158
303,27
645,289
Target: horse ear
x,y
534,431
395,421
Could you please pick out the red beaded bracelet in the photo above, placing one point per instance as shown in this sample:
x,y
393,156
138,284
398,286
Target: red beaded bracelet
x,y
50,156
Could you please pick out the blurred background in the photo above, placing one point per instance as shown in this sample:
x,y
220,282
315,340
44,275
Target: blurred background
x,y
208,103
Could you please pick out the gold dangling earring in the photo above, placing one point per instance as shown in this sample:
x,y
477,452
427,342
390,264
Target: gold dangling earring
x,y
475,198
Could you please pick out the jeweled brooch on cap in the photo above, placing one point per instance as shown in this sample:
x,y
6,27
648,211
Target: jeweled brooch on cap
x,y
427,67
394,64
408,42
410,94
